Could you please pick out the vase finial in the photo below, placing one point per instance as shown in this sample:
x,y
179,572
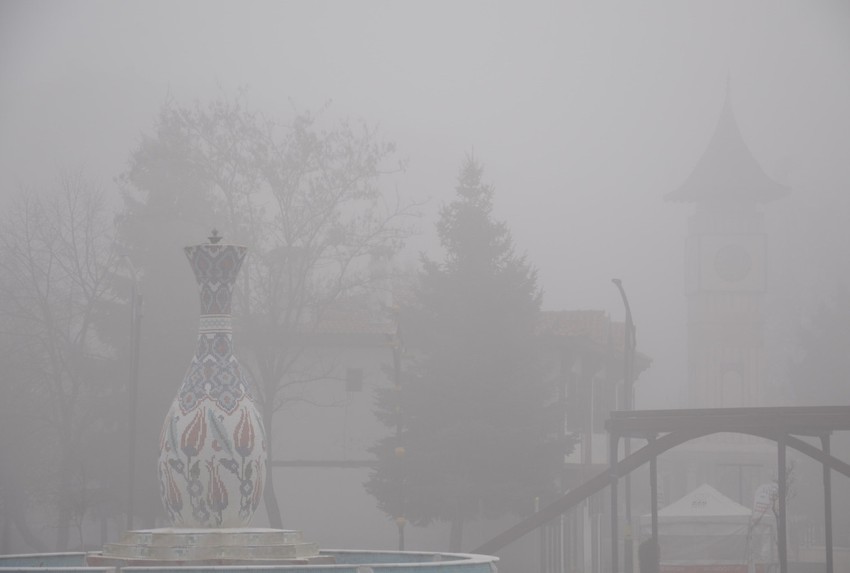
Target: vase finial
x,y
215,237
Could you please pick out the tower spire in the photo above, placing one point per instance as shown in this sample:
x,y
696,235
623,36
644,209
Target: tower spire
x,y
727,171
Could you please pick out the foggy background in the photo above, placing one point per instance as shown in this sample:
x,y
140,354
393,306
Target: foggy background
x,y
584,115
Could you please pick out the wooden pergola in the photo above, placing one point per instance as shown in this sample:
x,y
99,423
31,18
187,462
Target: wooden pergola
x,y
665,429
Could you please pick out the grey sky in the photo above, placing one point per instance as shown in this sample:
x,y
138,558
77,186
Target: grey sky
x,y
584,114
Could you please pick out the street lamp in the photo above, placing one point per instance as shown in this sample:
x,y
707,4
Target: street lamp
x,y
627,403
629,344
133,384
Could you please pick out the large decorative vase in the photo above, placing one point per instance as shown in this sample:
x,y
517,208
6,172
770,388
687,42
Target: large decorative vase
x,y
212,447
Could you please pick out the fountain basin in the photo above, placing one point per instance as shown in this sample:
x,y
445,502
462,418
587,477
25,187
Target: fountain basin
x,y
345,561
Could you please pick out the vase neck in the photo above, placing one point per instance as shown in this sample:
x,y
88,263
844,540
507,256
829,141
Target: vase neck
x,y
212,324
215,268
217,343
215,323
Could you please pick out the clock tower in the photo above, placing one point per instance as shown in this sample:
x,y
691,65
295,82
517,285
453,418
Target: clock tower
x,y
725,285
726,271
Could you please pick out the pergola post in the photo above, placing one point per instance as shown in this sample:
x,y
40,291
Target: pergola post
x,y
653,486
613,454
827,505
670,428
783,486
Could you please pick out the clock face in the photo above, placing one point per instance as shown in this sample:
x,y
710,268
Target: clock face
x,y
726,263
732,263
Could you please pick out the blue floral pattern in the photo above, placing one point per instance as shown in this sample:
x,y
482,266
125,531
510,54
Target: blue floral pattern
x,y
213,447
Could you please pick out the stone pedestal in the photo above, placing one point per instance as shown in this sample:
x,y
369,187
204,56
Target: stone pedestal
x,y
205,546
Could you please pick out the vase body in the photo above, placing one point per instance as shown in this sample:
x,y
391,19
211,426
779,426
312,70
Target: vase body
x,y
212,446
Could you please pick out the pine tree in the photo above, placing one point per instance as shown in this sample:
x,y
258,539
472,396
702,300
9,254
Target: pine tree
x,y
474,433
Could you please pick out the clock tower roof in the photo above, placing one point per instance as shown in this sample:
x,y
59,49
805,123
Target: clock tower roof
x,y
727,172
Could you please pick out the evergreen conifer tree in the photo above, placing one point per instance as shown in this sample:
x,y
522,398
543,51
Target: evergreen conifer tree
x,y
475,433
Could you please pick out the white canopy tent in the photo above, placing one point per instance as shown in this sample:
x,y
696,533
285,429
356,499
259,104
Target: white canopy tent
x,y
707,528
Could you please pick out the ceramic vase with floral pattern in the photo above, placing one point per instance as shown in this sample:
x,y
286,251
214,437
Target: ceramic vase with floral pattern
x,y
212,457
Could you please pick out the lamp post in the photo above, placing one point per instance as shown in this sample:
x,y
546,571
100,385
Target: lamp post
x,y
132,386
629,343
400,520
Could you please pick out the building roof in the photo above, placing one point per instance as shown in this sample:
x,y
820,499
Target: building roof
x,y
356,319
587,330
727,171
356,315
591,324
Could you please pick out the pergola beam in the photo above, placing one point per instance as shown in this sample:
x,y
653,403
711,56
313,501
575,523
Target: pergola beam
x,y
675,427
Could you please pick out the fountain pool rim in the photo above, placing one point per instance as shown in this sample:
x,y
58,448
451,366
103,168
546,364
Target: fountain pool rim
x,y
347,561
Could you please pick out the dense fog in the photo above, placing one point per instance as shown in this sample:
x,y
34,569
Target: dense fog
x,y
576,118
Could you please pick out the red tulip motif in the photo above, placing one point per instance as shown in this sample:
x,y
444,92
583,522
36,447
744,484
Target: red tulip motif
x,y
258,488
243,435
195,434
217,491
173,499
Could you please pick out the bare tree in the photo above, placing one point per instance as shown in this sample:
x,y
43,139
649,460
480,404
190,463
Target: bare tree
x,y
305,199
56,261
18,472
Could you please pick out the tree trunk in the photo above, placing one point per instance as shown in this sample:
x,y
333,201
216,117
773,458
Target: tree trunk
x,y
13,504
63,525
456,534
269,495
6,543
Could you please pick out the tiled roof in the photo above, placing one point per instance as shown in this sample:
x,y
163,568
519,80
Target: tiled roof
x,y
591,324
357,316
360,316
363,319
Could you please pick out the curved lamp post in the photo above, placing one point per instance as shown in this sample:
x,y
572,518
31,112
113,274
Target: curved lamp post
x,y
629,344
627,403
